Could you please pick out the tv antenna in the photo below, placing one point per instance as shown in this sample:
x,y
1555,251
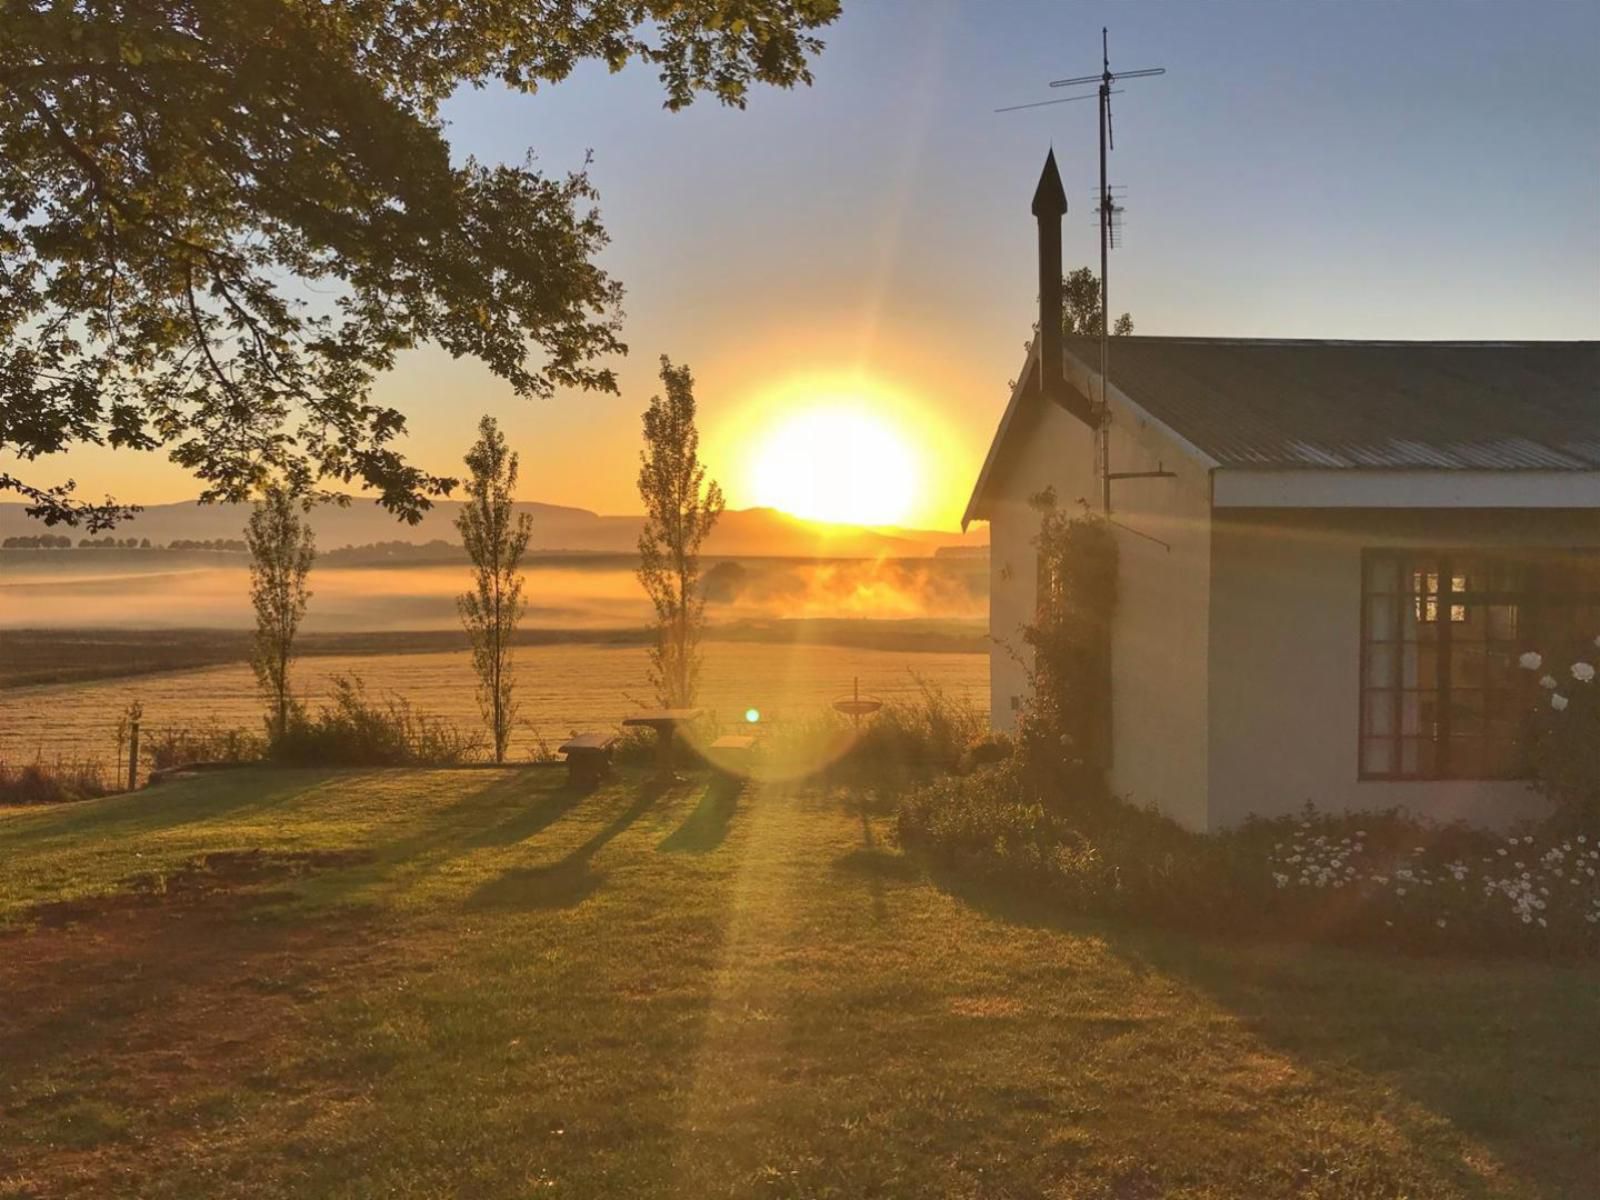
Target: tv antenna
x,y
1108,208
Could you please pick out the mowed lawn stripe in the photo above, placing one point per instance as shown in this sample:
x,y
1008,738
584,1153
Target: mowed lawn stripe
x,y
505,989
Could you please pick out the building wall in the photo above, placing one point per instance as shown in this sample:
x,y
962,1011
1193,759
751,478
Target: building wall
x,y
1285,657
1050,448
1160,635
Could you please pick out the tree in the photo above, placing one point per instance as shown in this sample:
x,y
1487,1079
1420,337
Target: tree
x,y
282,548
223,220
1080,314
495,537
680,510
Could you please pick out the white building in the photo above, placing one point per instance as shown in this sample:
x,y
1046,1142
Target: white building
x,y
1331,556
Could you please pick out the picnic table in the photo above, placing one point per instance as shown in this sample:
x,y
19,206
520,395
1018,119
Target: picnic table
x,y
665,722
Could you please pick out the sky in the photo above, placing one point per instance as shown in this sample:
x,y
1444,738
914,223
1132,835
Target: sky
x,y
864,246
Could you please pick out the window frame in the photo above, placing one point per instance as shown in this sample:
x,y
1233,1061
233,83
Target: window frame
x,y
1445,559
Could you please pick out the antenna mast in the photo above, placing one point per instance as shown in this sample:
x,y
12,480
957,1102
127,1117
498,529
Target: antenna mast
x,y
1107,209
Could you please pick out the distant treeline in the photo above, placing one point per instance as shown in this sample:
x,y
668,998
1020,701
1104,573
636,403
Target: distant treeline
x,y
54,541
437,550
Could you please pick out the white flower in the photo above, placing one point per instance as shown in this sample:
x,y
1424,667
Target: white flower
x,y
1558,702
1531,660
1583,672
1399,891
1542,921
1440,922
1548,682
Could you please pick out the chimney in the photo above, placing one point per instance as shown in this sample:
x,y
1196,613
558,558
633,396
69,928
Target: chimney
x,y
1049,206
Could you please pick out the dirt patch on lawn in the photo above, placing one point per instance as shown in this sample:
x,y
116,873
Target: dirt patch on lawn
x,y
231,878
140,1030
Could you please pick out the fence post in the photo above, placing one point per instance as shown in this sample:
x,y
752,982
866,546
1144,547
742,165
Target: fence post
x,y
133,755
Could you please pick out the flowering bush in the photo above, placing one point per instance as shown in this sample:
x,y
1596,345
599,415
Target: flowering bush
x,y
1452,888
1380,879
1566,739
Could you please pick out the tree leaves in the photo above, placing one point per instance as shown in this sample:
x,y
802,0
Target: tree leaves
x,y
222,220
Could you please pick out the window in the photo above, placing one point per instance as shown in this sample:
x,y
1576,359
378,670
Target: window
x,y
1442,696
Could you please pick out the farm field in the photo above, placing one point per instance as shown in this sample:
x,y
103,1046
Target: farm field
x,y
475,983
561,688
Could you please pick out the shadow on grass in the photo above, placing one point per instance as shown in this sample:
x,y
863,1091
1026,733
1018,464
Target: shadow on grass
x,y
1504,1050
704,829
195,801
533,820
568,881
876,864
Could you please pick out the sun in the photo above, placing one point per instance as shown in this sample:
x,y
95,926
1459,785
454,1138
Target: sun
x,y
835,460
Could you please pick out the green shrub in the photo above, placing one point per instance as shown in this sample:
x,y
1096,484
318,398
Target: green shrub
x,y
353,730
1366,878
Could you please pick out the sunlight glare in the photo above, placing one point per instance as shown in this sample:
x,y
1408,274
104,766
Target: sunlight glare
x,y
836,461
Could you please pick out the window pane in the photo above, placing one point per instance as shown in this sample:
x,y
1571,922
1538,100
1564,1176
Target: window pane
x,y
1502,622
1380,619
1413,718
1468,666
1383,573
1466,713
1417,757
1380,666
1501,670
1377,756
1419,667
1378,712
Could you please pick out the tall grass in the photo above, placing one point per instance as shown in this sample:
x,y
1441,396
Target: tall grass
x,y
906,739
40,782
206,743
353,729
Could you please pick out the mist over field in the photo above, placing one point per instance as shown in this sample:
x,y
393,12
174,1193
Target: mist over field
x,y
86,632
158,589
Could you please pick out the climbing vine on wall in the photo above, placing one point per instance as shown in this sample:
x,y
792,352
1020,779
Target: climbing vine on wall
x,y
1066,722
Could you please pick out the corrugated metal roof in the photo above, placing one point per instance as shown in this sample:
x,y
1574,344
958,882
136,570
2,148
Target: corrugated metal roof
x,y
1311,404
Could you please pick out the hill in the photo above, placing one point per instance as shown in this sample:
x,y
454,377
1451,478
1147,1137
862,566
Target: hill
x,y
750,531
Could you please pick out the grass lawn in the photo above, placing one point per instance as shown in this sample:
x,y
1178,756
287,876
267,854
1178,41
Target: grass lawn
x,y
472,983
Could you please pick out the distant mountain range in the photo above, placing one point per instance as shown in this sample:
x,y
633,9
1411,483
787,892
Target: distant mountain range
x,y
750,531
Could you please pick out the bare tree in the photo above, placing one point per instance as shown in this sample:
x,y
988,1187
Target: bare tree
x,y
680,510
496,538
282,548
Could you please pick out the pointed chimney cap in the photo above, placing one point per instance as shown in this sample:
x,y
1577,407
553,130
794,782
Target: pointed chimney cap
x,y
1050,198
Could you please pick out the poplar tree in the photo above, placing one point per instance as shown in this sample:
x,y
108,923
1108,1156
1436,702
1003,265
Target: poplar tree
x,y
680,510
496,538
282,547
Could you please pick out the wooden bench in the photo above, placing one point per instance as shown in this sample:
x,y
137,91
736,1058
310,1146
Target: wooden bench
x,y
730,752
588,757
